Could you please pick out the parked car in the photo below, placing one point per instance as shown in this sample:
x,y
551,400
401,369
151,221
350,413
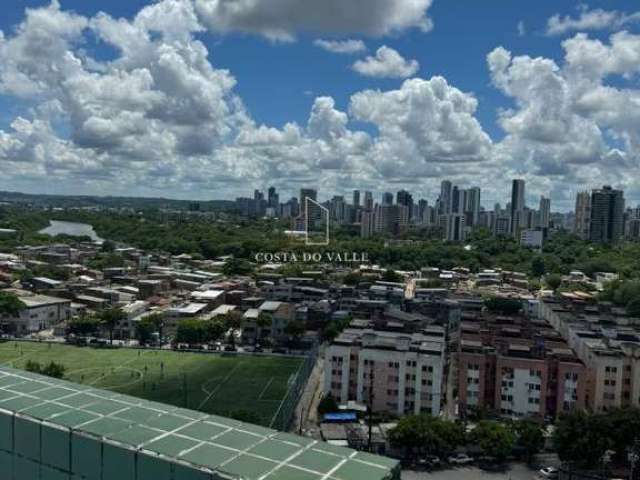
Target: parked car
x,y
432,461
230,348
460,459
548,472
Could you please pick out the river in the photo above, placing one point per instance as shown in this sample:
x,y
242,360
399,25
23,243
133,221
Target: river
x,y
76,229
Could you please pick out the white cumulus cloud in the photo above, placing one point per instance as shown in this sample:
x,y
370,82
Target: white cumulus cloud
x,y
387,63
341,46
281,20
596,19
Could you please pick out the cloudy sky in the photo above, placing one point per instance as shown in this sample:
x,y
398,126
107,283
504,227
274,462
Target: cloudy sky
x,y
208,99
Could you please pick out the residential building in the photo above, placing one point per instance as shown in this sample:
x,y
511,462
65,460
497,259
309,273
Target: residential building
x,y
388,371
516,366
517,205
607,215
41,312
582,215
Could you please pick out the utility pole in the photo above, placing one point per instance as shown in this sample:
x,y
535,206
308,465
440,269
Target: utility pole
x,y
370,406
634,459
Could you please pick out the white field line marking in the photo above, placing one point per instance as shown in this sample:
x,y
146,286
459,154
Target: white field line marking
x,y
265,388
213,392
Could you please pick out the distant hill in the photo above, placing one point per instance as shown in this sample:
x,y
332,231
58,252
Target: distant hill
x,y
66,201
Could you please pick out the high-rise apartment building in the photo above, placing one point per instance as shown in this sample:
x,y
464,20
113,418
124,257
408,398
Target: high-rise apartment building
x,y
392,219
582,215
405,198
356,198
455,227
445,197
544,214
472,206
607,215
368,201
517,204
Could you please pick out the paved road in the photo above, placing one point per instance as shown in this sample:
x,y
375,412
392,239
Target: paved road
x,y
516,471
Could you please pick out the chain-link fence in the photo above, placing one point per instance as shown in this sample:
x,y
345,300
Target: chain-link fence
x,y
284,416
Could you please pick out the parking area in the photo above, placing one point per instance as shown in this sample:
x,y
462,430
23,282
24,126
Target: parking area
x,y
515,471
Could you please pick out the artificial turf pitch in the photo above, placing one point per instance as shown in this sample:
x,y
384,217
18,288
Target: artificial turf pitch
x,y
213,383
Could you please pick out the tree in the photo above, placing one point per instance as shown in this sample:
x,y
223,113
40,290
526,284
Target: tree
x,y
32,366
54,370
391,276
582,438
328,404
110,318
352,278
263,321
530,437
237,266
633,308
213,330
232,321
84,325
144,331
538,267
424,434
505,306
190,331
10,304
157,319
295,329
494,439
553,281
108,246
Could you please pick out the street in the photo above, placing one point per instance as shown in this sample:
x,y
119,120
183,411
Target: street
x,y
515,471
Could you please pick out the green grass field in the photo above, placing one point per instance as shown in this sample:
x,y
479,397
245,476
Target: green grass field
x,y
218,384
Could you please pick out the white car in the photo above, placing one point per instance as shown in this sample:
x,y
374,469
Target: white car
x,y
460,459
548,472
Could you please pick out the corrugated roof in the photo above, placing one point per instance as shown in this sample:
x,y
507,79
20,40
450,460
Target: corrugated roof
x,y
227,446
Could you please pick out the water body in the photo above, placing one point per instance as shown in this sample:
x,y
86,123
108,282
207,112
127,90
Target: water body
x,y
76,229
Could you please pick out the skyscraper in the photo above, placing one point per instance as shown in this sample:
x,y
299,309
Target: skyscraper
x,y
517,204
368,201
607,215
387,198
273,199
583,215
405,198
445,197
356,198
472,206
545,212
313,209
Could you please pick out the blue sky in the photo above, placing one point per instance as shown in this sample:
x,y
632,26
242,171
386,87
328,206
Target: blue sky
x,y
278,82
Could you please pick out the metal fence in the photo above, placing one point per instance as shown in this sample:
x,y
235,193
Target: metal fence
x,y
284,416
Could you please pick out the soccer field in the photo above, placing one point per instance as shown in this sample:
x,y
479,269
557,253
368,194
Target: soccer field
x,y
215,383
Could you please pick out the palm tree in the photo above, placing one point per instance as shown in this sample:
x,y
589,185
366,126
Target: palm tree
x,y
263,321
109,318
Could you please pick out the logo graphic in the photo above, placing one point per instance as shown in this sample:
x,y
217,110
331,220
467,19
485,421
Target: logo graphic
x,y
316,226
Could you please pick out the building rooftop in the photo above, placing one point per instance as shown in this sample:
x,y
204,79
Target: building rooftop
x,y
211,444
34,301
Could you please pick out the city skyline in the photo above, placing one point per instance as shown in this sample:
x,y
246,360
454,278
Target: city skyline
x,y
215,103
